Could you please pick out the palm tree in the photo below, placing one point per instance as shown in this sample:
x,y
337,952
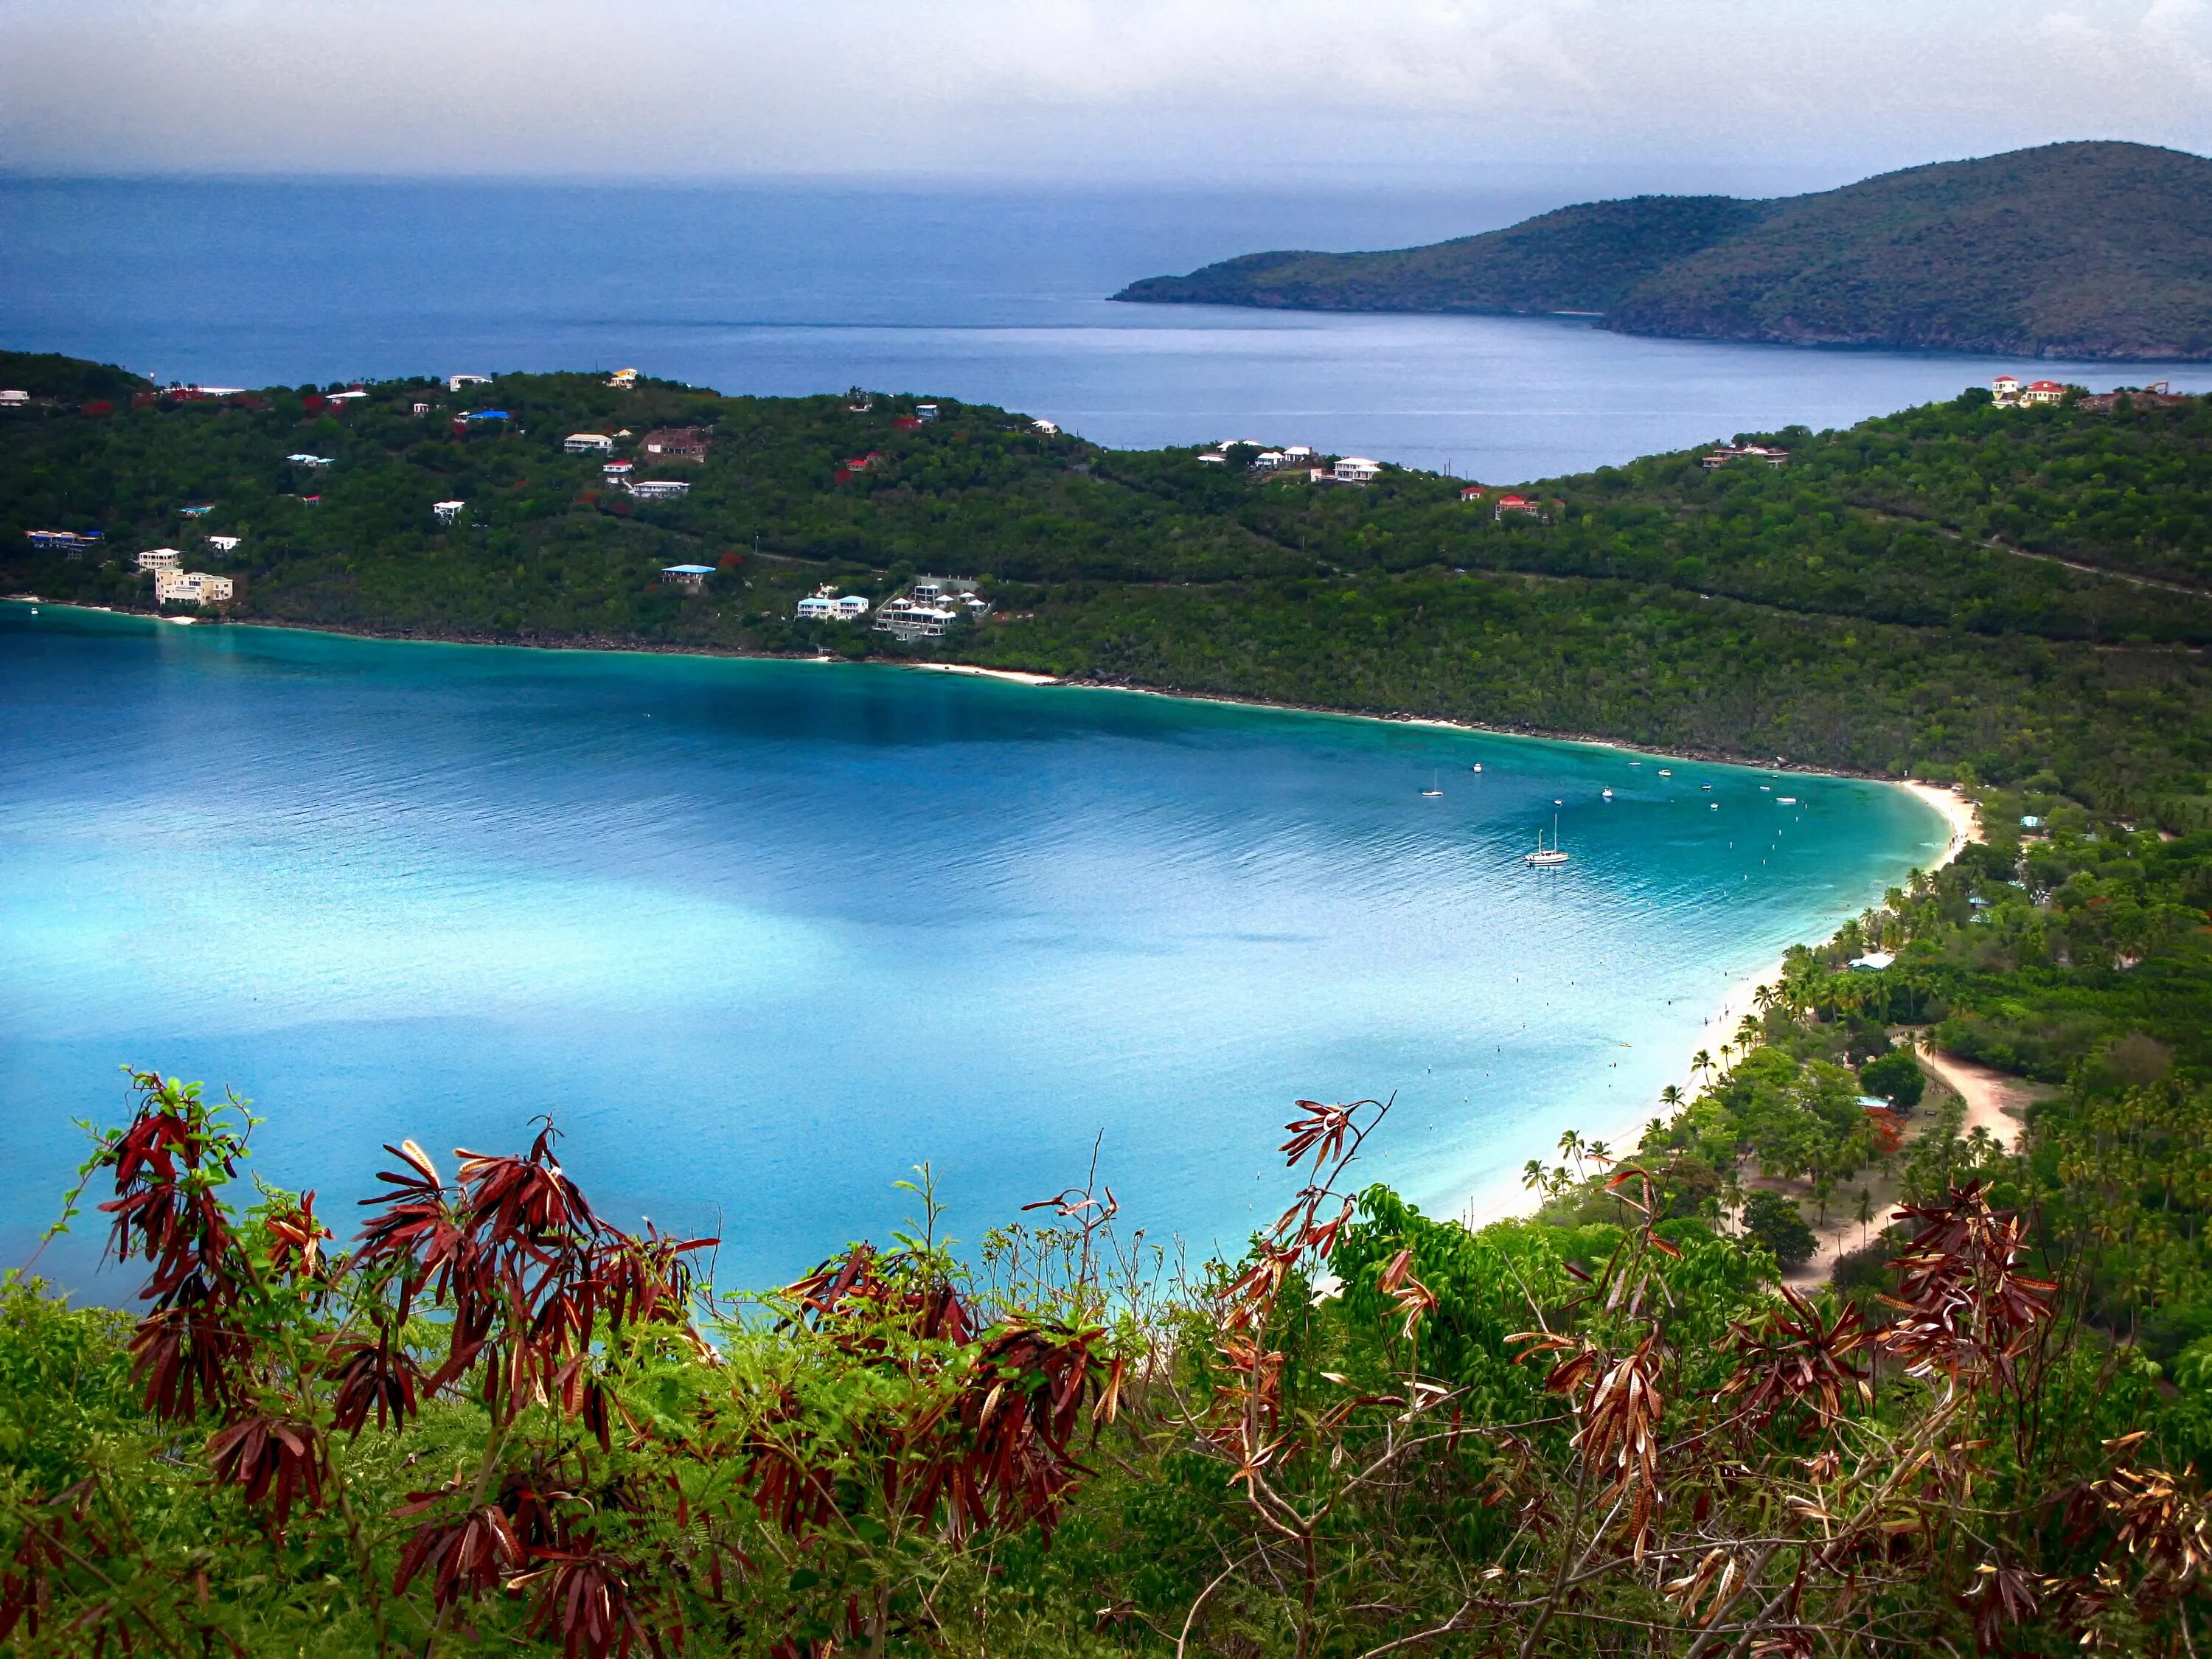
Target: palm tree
x,y
1701,1062
1865,1214
1764,997
1532,1173
1671,1098
1748,1032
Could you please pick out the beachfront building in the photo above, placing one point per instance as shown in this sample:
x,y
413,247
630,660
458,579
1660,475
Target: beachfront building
x,y
660,489
690,577
588,443
817,607
906,619
448,510
1357,470
675,443
1872,961
161,558
69,542
850,607
192,588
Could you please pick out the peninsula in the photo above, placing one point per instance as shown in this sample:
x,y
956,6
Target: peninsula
x,y
2097,250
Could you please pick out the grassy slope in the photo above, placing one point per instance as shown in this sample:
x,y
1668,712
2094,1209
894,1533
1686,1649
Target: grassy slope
x,y
2098,250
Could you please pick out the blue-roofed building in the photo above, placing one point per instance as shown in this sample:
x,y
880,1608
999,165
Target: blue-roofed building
x,y
690,577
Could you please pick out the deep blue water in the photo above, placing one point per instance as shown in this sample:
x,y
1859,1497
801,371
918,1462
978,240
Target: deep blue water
x,y
763,935
992,296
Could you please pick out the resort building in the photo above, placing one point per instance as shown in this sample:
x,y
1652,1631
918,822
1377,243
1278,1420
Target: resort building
x,y
851,607
1872,961
904,619
192,588
690,577
161,558
660,489
70,542
588,443
675,443
825,604
447,511
1357,470
815,607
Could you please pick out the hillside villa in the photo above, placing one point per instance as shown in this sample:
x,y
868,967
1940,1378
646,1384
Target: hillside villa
x,y
588,443
674,443
192,588
690,577
161,558
1728,452
660,489
825,604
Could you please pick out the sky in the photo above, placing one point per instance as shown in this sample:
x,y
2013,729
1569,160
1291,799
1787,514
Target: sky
x,y
1644,93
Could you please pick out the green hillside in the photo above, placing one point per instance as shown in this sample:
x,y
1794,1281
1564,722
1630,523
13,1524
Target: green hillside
x,y
1907,594
2086,250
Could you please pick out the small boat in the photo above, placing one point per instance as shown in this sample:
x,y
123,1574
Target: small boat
x,y
1666,771
1765,788
1605,795
1546,857
1705,785
1717,807
1785,800
1478,766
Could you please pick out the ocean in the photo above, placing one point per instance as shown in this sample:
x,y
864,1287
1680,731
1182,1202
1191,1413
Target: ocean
x,y
761,937
992,296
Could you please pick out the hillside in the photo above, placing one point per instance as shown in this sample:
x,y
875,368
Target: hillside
x,y
2016,591
2083,250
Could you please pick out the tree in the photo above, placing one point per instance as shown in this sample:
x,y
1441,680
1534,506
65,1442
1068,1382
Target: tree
x,y
1896,1077
1776,1223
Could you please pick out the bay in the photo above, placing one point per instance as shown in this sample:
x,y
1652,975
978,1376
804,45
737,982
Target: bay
x,y
994,296
762,936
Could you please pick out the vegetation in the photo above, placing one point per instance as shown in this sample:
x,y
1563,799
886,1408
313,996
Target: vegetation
x,y
2083,250
1636,1421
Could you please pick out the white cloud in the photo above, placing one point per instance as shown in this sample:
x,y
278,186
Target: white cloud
x,y
1077,87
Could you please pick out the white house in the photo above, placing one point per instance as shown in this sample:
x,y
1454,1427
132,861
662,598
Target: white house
x,y
815,607
352,396
1046,428
623,378
159,558
1267,460
224,543
192,587
906,620
1213,460
660,489
588,443
12,397
925,412
2005,388
1358,468
851,607
2042,392
1297,452
455,382
447,511
1872,961
305,460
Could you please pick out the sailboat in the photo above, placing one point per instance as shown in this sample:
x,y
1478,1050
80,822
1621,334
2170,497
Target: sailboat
x,y
1433,790
1547,857
1606,794
1478,766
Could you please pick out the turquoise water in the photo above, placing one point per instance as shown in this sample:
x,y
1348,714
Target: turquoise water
x,y
763,935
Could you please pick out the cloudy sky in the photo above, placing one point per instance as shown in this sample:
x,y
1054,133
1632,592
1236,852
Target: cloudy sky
x,y
1282,91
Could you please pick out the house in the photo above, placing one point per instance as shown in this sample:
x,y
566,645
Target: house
x,y
675,443
455,382
1512,503
660,489
70,542
942,587
1471,492
1357,470
618,470
851,607
422,408
352,396
2158,394
588,443
305,460
1728,452
1297,452
447,511
161,558
692,578
816,607
624,378
1046,428
1872,961
11,399
195,512
904,619
925,412
488,414
1267,460
2031,822
192,588
224,543
2042,392
1213,460
2005,389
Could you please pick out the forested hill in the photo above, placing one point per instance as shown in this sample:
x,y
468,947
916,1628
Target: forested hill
x,y
2081,250
2022,591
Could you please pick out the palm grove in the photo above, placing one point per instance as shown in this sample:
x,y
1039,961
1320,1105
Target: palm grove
x,y
489,1420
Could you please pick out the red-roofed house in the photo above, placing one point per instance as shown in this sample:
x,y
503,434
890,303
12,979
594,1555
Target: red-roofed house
x,y
1509,503
1471,493
2042,392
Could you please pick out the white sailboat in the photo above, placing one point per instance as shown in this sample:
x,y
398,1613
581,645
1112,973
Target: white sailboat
x,y
1434,788
1546,857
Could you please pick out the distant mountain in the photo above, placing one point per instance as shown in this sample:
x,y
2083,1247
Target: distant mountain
x,y
2079,250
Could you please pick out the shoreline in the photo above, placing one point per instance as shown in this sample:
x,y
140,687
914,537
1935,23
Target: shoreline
x,y
1036,679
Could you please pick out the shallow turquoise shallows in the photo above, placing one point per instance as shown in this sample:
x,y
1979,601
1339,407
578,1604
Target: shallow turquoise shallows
x,y
761,936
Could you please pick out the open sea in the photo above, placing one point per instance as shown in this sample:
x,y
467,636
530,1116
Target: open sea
x,y
994,296
763,936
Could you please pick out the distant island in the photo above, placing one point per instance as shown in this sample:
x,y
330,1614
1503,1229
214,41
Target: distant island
x,y
2099,250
